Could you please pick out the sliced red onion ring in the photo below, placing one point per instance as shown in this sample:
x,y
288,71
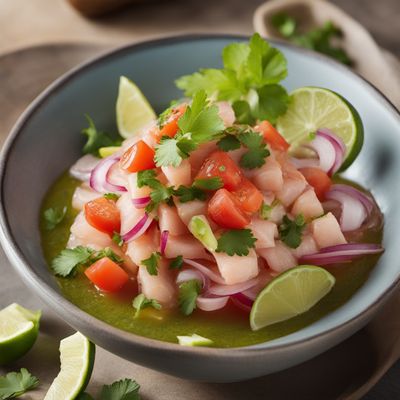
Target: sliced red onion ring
x,y
206,271
190,274
339,146
141,202
242,301
366,200
326,152
163,241
211,303
341,253
99,176
83,167
251,293
228,290
138,230
304,162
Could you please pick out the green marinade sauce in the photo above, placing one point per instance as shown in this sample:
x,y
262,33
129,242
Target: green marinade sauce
x,y
227,328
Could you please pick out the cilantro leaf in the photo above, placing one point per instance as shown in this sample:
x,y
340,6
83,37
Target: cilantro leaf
x,y
213,183
141,301
125,389
229,143
53,216
290,231
243,112
106,252
117,239
15,384
97,139
273,102
111,196
66,262
236,241
189,193
188,293
257,150
235,57
176,263
146,176
168,153
151,263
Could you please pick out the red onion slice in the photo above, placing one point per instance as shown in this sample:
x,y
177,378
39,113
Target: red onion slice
x,y
366,200
338,144
141,202
163,241
83,167
99,176
138,230
326,152
206,271
228,290
341,253
242,301
211,303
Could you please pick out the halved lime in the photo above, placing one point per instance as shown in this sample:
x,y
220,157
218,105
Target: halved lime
x,y
311,108
77,359
194,340
289,294
19,329
133,109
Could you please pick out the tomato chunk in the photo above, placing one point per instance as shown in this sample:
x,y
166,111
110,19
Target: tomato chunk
x,y
250,198
219,164
170,128
103,214
225,210
318,179
107,275
272,136
138,157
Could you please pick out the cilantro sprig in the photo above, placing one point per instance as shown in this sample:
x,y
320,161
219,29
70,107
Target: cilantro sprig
x,y
176,263
151,263
53,217
199,124
14,384
68,260
236,241
188,293
141,302
290,231
249,80
124,389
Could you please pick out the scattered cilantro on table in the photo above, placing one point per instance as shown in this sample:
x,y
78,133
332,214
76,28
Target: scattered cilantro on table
x,y
318,39
97,139
53,217
151,263
236,241
249,80
188,293
125,389
141,301
290,231
14,384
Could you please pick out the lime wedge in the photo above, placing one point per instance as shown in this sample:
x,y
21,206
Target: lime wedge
x,y
311,108
108,151
194,340
289,294
19,328
77,358
133,109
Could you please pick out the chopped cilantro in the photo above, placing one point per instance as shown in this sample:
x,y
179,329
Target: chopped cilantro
x,y
117,239
189,193
176,263
236,241
257,150
14,384
229,143
141,301
188,293
291,230
97,139
151,263
248,68
111,196
213,183
54,216
145,178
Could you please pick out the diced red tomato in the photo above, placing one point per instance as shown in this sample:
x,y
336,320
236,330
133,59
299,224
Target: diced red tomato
x,y
170,128
272,136
138,157
103,214
219,164
250,198
107,275
225,210
318,179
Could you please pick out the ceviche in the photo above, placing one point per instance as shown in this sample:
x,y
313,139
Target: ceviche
x,y
223,220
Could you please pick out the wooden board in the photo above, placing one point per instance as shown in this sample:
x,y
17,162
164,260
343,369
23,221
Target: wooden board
x,y
345,372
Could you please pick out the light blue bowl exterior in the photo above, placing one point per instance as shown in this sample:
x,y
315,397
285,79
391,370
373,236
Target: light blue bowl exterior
x,y
47,140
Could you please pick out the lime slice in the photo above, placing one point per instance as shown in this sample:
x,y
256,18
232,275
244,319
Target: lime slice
x,y
133,109
289,294
19,328
108,151
77,359
311,108
194,340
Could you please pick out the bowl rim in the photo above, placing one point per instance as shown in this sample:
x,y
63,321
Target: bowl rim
x,y
73,312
